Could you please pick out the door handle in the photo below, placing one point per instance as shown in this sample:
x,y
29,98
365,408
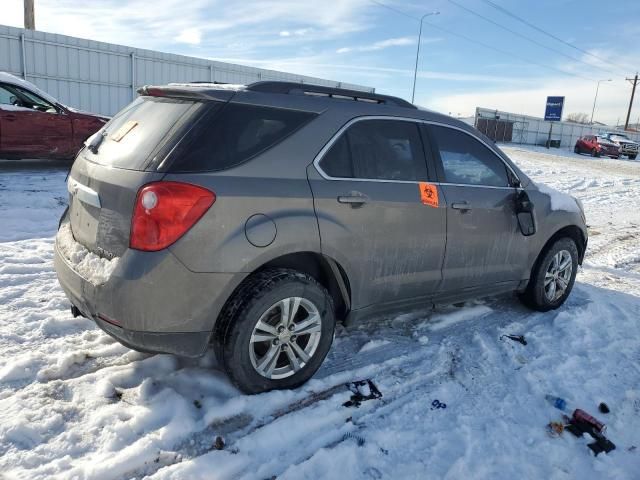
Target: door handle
x,y
353,199
464,206
10,117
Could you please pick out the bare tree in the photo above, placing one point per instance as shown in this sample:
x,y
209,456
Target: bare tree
x,y
578,117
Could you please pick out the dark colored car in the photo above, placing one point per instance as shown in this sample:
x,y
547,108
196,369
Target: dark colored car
x,y
35,125
252,218
597,146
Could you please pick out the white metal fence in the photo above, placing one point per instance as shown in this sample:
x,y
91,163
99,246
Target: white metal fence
x,y
535,131
103,77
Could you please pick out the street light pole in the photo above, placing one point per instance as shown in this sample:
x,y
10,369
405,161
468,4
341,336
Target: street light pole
x,y
415,71
596,98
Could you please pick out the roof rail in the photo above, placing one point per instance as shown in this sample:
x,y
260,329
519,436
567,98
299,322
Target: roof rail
x,y
293,88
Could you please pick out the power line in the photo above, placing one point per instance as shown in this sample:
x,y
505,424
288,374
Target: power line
x,y
393,9
529,39
477,42
520,19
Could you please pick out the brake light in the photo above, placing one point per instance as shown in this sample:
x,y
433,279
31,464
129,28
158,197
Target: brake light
x,y
165,211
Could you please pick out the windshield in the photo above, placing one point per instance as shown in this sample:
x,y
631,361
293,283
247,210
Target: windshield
x,y
620,136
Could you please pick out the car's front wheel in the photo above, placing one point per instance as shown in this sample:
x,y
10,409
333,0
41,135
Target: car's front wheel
x,y
553,276
576,149
632,157
277,330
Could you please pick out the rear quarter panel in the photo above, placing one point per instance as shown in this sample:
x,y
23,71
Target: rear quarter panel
x,y
273,184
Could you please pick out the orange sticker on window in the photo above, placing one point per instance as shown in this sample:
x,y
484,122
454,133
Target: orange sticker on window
x,y
428,194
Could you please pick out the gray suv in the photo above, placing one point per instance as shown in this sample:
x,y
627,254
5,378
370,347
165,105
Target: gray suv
x,y
253,218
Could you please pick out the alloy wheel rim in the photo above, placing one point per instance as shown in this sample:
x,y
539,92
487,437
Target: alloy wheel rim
x,y
558,275
285,338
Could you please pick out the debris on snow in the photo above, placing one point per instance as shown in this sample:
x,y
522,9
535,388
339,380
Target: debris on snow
x,y
362,390
437,404
515,338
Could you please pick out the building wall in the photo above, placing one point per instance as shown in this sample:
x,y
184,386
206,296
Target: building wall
x,y
535,131
103,77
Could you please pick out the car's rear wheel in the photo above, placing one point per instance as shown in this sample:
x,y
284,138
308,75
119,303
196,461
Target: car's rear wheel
x,y
553,276
277,330
632,157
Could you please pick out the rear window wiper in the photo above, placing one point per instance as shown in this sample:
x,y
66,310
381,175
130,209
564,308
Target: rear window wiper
x,y
95,143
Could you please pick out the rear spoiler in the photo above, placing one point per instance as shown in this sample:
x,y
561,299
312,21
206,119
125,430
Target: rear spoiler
x,y
198,92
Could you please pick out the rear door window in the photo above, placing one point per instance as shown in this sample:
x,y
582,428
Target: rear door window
x,y
466,161
238,132
377,150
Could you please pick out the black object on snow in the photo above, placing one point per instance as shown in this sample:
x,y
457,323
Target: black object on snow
x,y
438,404
515,338
360,441
601,444
219,443
358,397
604,408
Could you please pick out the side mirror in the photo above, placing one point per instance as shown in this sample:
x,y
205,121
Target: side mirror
x,y
525,214
513,180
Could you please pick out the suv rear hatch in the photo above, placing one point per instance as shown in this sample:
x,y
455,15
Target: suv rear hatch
x,y
124,155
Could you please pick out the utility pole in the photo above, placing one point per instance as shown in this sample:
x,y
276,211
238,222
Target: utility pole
x,y
29,15
634,81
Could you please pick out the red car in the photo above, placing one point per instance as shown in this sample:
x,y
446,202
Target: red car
x,y
597,146
33,124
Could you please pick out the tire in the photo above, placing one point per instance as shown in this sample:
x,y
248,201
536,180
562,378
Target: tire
x,y
594,153
260,299
576,150
536,296
632,157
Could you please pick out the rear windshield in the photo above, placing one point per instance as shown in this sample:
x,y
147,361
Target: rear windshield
x,y
137,134
235,133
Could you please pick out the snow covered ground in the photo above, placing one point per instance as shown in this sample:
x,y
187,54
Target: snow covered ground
x,y
76,404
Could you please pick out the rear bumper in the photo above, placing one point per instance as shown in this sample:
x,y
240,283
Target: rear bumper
x,y
158,304
185,344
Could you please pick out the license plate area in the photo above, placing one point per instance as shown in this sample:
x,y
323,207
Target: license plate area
x,y
84,221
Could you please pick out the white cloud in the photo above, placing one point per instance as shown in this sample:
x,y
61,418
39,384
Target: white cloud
x,y
192,36
611,106
298,32
380,45
249,23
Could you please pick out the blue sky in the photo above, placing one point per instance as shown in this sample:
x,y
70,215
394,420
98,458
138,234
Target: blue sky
x,y
362,42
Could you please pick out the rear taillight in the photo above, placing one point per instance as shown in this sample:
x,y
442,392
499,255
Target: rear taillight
x,y
165,211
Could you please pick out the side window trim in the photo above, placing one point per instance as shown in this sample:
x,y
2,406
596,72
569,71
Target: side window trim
x,y
334,138
430,154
